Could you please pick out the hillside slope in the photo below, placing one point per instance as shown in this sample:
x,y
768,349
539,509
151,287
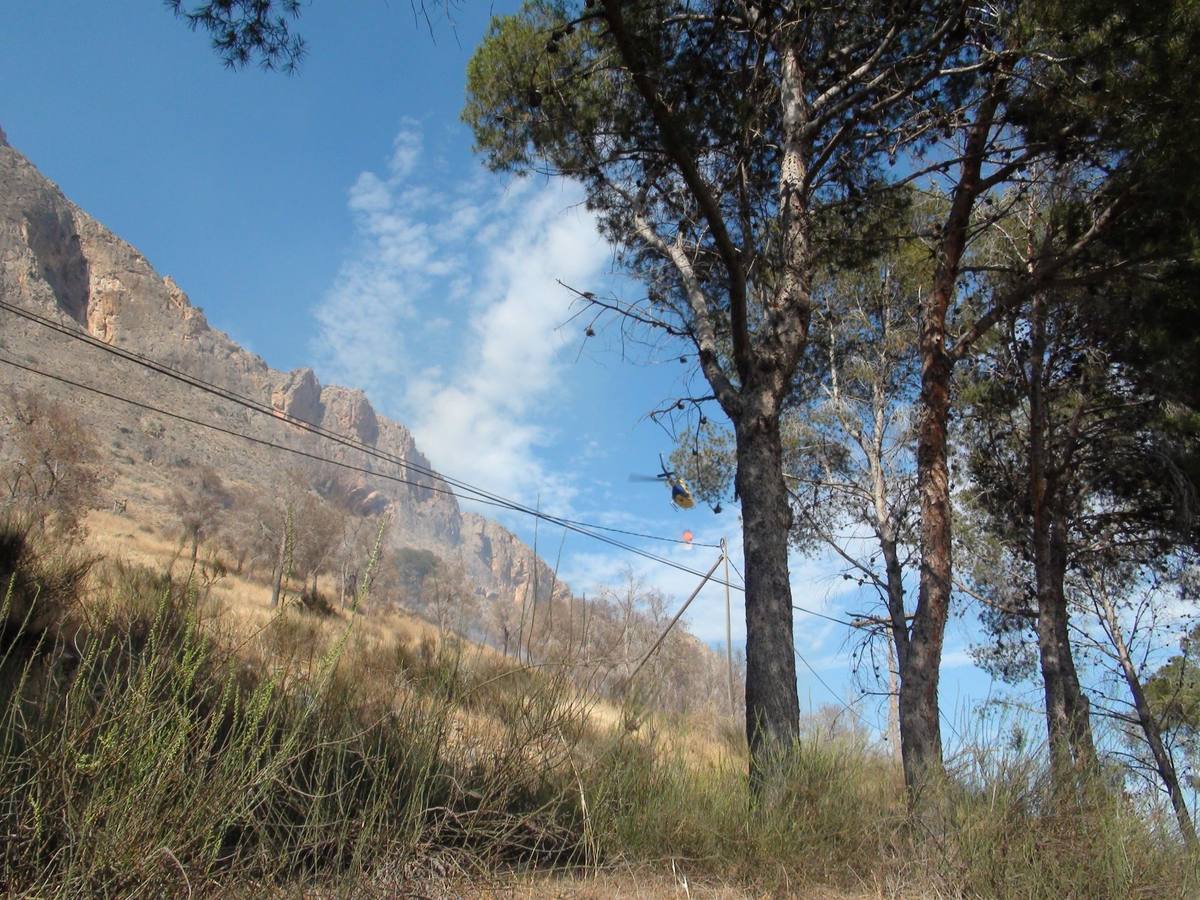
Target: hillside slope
x,y
58,261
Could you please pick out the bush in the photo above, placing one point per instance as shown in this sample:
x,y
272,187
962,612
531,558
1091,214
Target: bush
x,y
37,589
312,601
156,762
142,756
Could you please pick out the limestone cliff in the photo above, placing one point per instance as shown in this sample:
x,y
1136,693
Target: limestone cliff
x,y
57,260
501,559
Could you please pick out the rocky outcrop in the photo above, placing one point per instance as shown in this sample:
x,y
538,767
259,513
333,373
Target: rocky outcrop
x,y
505,560
49,231
347,411
364,500
299,395
41,261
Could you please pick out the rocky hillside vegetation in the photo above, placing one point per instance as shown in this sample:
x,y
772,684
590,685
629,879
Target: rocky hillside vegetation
x,y
256,493
57,260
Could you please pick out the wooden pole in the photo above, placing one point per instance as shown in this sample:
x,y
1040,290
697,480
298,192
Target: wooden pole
x,y
662,637
728,628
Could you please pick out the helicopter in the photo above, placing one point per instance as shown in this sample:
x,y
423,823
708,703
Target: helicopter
x,y
681,494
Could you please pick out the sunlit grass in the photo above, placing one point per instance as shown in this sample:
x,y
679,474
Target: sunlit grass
x,y
153,742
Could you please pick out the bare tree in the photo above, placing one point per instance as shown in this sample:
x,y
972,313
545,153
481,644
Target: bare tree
x,y
319,526
502,622
200,500
354,554
1125,636
52,474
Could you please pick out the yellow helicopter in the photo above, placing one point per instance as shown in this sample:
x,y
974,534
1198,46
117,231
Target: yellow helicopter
x,y
681,494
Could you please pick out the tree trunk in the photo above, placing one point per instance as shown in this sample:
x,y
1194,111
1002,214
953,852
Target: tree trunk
x,y
895,599
898,646
885,530
1072,751
920,728
772,702
1149,725
893,729
1068,724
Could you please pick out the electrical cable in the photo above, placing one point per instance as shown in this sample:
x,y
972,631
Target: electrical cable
x,y
477,494
738,571
854,712
349,466
247,402
803,609
472,492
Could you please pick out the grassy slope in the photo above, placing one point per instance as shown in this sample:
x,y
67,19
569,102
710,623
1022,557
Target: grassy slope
x,y
156,742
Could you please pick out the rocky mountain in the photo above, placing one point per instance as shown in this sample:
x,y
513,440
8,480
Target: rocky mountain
x,y
58,261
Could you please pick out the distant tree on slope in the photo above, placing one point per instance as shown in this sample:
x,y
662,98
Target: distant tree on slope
x,y
52,473
200,499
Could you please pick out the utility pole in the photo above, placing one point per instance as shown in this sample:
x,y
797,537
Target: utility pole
x,y
662,637
728,628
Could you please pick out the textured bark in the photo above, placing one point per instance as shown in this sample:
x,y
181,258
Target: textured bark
x,y
885,531
772,703
1068,726
1072,750
920,730
895,598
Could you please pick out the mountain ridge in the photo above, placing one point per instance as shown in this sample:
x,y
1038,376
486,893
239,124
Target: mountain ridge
x,y
56,258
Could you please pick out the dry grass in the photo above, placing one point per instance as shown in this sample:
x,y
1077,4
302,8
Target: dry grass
x,y
279,753
239,607
649,883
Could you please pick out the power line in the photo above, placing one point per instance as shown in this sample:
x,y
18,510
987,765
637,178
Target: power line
x,y
477,494
821,615
263,442
854,712
345,465
255,405
736,570
472,492
803,609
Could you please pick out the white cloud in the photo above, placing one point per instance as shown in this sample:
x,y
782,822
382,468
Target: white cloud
x,y
406,150
956,659
446,312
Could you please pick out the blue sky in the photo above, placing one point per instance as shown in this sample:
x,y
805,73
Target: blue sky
x,y
338,219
